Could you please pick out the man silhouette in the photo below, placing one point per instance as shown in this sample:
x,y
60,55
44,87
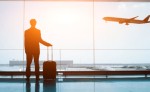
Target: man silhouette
x,y
32,48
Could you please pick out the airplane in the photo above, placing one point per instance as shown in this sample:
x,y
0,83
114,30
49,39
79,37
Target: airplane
x,y
127,20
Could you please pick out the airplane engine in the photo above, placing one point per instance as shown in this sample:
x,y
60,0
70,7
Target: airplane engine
x,y
120,22
127,23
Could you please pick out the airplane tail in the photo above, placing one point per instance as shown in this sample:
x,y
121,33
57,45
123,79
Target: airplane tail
x,y
147,18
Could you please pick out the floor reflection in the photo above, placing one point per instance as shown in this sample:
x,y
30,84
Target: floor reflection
x,y
76,85
37,86
49,86
28,86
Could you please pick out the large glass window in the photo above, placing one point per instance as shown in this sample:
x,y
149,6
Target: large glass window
x,y
77,30
118,42
11,31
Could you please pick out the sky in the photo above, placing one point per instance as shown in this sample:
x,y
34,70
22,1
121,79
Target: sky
x,y
75,29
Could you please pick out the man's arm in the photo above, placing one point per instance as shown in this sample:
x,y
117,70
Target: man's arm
x,y
43,42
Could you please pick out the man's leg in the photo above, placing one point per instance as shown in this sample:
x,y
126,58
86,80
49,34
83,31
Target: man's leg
x,y
36,62
29,60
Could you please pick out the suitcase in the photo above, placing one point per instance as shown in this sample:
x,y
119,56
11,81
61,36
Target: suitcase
x,y
49,67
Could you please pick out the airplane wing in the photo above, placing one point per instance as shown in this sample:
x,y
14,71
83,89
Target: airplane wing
x,y
128,21
133,18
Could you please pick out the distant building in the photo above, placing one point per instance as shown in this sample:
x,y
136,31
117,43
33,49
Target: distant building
x,y
58,62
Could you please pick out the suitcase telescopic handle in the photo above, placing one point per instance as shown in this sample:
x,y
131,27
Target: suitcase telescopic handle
x,y
51,53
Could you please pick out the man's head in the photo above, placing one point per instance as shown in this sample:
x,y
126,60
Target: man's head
x,y
33,22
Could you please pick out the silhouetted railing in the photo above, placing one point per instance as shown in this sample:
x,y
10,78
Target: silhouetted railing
x,y
79,73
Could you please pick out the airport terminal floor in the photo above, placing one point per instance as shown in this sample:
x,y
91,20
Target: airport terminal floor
x,y
76,85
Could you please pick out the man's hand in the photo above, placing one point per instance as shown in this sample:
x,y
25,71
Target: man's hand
x,y
49,45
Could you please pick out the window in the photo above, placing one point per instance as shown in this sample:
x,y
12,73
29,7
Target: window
x,y
77,31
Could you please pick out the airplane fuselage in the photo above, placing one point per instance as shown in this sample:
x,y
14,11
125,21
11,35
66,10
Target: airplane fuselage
x,y
125,20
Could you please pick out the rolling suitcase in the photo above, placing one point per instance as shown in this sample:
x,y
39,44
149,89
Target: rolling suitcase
x,y
49,67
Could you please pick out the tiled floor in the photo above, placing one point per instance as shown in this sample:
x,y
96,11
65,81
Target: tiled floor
x,y
77,85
